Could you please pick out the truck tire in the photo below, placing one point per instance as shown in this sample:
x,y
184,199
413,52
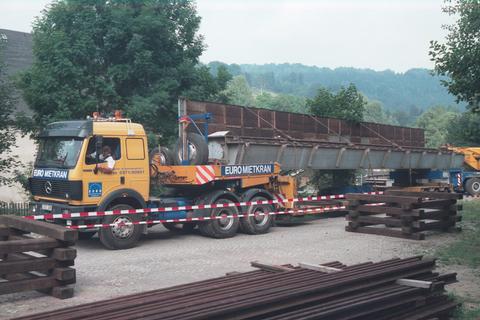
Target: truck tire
x,y
120,237
224,227
179,227
257,222
198,150
472,186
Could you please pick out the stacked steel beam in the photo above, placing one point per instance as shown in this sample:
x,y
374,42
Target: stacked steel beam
x,y
392,289
41,261
403,214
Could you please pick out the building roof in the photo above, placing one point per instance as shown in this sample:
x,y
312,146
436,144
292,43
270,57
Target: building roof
x,y
17,56
17,53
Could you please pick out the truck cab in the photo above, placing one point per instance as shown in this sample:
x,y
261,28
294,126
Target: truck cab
x,y
67,175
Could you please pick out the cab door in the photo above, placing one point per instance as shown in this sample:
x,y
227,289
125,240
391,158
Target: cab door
x,y
137,175
98,185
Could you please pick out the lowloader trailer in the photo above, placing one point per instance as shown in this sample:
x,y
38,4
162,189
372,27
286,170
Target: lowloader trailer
x,y
206,167
464,178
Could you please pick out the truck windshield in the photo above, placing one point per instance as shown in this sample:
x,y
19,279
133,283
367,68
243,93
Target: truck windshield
x,y
58,152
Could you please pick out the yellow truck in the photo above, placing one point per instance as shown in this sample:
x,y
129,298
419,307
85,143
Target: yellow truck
x,y
71,174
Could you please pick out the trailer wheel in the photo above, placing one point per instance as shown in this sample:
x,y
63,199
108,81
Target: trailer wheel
x,y
257,222
197,150
179,227
120,236
472,186
222,227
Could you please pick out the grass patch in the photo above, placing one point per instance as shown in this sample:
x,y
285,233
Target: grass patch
x,y
465,250
464,313
467,311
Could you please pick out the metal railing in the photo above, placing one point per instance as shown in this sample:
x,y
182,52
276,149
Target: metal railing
x,y
16,208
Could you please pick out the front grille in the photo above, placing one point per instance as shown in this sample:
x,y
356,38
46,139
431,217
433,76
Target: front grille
x,y
68,190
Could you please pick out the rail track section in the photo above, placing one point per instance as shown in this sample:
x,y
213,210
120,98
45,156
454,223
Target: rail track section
x,y
392,289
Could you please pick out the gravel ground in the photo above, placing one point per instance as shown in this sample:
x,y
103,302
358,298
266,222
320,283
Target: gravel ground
x,y
163,259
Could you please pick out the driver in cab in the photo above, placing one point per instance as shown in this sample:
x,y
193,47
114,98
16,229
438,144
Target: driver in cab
x,y
108,161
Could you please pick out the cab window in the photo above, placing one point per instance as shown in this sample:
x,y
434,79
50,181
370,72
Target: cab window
x,y
135,149
113,143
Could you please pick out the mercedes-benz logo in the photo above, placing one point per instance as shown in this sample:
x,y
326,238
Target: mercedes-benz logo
x,y
48,187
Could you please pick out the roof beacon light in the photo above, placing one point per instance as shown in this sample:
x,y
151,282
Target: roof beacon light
x,y
118,114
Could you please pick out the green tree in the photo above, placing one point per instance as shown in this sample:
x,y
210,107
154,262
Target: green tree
x,y
402,118
280,102
436,121
464,130
406,117
239,92
348,103
208,87
459,57
138,56
223,76
374,112
7,128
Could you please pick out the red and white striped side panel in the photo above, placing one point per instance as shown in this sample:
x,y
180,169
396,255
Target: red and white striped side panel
x,y
279,197
204,174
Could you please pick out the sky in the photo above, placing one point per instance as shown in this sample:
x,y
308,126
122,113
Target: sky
x,y
371,34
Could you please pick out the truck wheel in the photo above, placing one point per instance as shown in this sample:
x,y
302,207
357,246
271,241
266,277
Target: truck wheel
x,y
86,235
179,227
257,221
198,150
223,227
472,186
120,236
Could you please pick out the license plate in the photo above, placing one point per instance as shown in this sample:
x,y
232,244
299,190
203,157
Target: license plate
x,y
47,207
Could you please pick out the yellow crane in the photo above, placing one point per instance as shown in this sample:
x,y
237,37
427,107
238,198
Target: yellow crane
x,y
467,180
472,155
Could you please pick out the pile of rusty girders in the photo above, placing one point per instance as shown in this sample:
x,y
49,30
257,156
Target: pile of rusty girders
x,y
403,214
392,289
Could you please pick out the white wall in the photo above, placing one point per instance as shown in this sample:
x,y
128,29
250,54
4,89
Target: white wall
x,y
25,151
